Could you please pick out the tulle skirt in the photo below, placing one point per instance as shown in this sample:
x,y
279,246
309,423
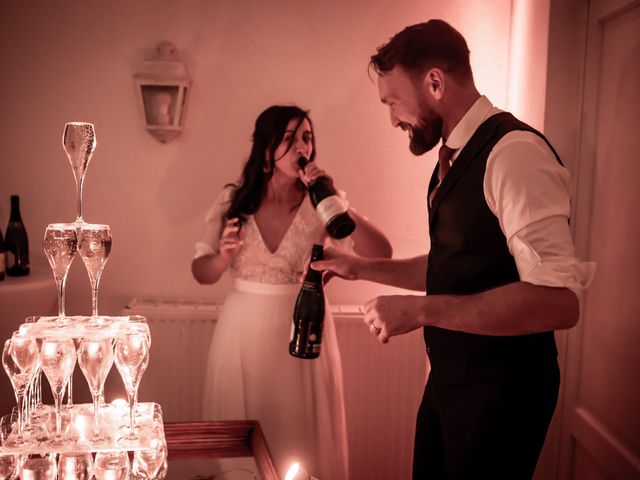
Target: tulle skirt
x,y
250,375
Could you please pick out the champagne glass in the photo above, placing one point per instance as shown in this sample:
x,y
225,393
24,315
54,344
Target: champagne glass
x,y
57,357
34,391
38,468
95,356
8,463
112,465
60,245
94,244
139,323
20,361
151,463
79,142
76,343
25,352
75,466
132,358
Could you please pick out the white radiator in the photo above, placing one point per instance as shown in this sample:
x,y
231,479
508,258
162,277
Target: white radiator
x,y
180,337
383,387
383,383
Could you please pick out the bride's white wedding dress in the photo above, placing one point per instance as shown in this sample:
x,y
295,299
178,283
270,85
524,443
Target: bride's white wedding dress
x,y
250,374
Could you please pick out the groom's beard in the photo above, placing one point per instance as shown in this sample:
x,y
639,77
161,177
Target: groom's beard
x,y
427,133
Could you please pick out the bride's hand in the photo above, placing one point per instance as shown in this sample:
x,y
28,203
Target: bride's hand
x,y
312,172
232,239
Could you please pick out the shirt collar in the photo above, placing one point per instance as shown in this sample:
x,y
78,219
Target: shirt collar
x,y
469,123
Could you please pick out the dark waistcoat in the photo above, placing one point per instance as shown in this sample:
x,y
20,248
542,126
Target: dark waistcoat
x,y
468,255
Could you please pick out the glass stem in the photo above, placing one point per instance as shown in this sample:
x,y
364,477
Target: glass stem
x,y
70,390
26,406
19,401
61,283
31,397
56,400
39,389
96,417
80,182
132,405
94,298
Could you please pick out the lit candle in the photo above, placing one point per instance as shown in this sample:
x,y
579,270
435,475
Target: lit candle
x,y
120,402
297,472
292,472
80,424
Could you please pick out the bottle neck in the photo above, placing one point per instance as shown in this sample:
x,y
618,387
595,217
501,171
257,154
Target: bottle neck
x,y
320,183
15,210
315,276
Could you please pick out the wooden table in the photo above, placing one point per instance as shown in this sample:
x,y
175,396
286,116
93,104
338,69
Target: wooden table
x,y
221,439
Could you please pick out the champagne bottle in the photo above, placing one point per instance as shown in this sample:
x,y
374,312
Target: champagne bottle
x,y
16,242
308,314
1,256
330,207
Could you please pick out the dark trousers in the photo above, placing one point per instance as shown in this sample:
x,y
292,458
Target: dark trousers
x,y
492,429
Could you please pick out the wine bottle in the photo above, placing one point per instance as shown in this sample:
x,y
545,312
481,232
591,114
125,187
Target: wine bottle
x,y
308,314
330,207
1,256
16,242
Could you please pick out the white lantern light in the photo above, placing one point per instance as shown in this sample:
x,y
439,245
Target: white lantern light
x,y
163,87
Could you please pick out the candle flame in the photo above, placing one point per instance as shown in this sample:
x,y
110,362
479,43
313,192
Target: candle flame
x,y
119,402
81,427
292,472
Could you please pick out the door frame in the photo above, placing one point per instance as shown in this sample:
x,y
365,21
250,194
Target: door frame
x,y
575,37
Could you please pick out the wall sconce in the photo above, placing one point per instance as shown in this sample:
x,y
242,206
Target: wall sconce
x,y
163,87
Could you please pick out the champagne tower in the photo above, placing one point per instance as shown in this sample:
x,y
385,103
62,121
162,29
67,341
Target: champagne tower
x,y
77,441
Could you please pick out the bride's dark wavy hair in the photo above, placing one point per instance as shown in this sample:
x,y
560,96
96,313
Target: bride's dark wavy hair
x,y
269,131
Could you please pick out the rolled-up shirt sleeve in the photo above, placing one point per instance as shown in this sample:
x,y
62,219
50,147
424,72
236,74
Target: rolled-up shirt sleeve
x,y
209,243
529,191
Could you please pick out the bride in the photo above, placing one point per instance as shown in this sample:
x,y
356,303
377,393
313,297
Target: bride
x,y
261,230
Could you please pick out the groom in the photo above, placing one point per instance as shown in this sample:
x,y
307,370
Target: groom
x,y
500,275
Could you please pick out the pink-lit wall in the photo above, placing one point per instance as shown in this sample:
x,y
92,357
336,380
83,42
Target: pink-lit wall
x,y
74,60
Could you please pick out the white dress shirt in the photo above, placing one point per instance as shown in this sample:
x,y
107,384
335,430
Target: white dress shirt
x,y
528,191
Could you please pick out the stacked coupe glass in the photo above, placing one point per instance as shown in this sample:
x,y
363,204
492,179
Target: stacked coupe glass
x,y
79,441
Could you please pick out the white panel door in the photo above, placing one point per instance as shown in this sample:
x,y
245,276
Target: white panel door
x,y
601,421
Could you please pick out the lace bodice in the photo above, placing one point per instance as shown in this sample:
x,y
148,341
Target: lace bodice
x,y
255,262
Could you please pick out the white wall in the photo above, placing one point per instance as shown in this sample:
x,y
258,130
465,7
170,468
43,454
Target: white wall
x,y
74,60
527,84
